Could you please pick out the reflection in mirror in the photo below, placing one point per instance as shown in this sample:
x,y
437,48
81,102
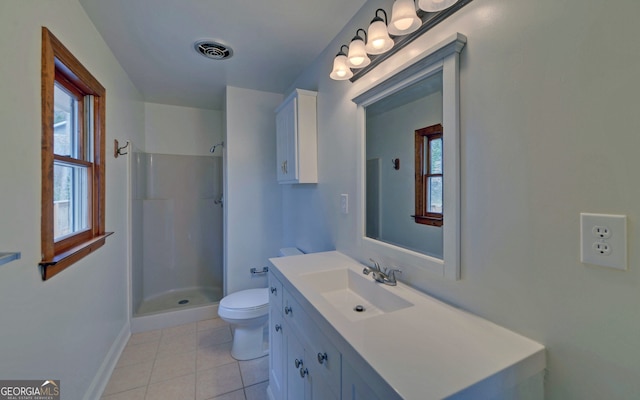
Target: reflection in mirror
x,y
394,197
421,92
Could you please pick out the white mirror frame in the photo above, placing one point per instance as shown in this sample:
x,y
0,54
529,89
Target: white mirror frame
x,y
442,57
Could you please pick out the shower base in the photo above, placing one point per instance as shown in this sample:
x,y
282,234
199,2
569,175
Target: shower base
x,y
176,307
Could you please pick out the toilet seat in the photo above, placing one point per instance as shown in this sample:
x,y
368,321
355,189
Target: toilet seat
x,y
245,304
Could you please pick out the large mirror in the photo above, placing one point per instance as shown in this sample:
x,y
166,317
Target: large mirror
x,y
410,162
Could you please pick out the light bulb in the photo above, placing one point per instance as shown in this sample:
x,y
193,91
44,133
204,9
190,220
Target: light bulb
x,y
378,43
340,70
357,57
402,24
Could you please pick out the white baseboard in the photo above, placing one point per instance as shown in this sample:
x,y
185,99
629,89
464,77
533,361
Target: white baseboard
x,y
99,382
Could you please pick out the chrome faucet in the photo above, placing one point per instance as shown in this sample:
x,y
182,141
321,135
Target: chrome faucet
x,y
386,276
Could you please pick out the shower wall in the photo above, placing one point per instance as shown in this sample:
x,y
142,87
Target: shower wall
x,y
177,225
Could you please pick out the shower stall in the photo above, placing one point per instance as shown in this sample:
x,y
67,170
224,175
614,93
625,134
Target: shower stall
x,y
176,252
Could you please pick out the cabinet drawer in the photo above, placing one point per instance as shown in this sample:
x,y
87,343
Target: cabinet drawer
x,y
275,293
293,312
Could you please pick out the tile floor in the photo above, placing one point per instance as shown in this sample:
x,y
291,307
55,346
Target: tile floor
x,y
191,361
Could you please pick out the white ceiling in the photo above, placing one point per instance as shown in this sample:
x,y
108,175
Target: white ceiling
x,y
273,42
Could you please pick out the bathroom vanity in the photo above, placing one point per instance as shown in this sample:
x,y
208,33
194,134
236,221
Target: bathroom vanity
x,y
336,334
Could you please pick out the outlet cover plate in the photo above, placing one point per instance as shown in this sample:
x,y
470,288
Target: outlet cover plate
x,y
609,250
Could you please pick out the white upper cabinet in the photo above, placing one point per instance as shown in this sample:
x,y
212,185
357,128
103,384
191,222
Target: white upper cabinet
x,y
297,146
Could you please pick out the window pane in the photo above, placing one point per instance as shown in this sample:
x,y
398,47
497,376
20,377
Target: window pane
x,y
70,199
434,203
436,156
65,123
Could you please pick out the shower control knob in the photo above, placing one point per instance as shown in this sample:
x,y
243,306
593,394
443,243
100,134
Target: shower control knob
x,y
278,327
288,310
274,290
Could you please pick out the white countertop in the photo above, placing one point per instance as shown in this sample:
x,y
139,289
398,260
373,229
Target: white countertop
x,y
428,350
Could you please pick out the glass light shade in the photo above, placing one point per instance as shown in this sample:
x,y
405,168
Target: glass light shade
x,y
357,57
341,72
435,5
404,18
379,41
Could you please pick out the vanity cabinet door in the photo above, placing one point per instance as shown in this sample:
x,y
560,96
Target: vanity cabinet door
x,y
354,387
304,380
295,363
277,381
324,363
277,367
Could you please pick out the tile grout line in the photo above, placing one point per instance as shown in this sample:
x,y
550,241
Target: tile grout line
x,y
156,355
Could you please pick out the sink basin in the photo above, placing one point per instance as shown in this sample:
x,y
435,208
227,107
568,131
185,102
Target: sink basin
x,y
354,295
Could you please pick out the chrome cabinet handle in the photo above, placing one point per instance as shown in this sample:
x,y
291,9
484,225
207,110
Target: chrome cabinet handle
x,y
303,372
286,167
288,310
274,290
298,363
278,327
322,357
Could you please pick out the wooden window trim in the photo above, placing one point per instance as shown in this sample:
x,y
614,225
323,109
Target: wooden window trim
x,y
422,216
57,61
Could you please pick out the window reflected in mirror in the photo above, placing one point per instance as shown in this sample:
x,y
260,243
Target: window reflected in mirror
x,y
429,176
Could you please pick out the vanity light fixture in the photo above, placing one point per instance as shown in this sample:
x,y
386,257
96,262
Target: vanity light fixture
x,y
435,5
378,40
404,18
341,70
357,57
406,24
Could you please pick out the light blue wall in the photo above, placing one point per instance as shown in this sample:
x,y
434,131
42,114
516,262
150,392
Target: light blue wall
x,y
549,129
63,328
253,197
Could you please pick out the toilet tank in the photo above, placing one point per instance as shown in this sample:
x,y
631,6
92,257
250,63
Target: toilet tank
x,y
289,251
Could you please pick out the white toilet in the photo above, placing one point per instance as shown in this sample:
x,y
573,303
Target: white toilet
x,y
248,313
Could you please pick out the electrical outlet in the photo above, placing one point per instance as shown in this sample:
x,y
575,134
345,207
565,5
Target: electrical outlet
x,y
602,232
603,240
602,248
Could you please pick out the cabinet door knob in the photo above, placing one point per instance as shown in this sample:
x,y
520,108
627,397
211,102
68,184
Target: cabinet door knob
x,y
278,327
274,290
322,357
303,372
298,363
288,310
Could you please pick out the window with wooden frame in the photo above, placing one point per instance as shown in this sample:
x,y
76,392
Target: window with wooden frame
x,y
429,175
73,155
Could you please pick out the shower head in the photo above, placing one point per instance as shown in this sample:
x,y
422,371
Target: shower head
x,y
213,148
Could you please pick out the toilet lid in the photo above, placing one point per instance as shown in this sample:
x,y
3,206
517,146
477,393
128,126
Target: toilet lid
x,y
246,299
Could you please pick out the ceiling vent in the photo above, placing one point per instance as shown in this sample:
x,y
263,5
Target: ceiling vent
x,y
213,50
